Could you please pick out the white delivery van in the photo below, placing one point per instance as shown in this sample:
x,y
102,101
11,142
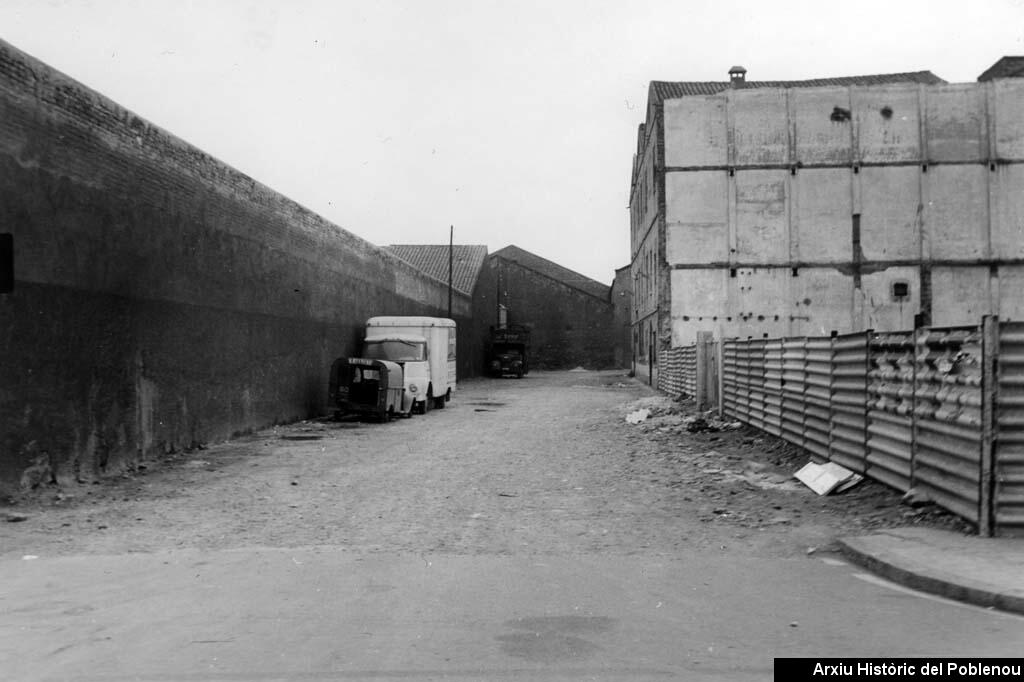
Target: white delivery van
x,y
425,347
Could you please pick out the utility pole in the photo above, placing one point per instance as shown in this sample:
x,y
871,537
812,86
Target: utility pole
x,y
451,265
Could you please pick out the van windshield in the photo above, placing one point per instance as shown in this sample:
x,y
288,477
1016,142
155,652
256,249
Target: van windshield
x,y
395,351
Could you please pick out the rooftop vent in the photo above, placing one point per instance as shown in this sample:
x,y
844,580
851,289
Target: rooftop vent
x,y
737,76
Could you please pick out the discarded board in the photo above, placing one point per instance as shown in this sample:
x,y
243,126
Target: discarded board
x,y
827,478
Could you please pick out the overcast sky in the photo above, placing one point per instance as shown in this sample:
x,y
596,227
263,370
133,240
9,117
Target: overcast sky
x,y
514,121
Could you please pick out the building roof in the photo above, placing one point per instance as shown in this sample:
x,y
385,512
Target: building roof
x,y
662,90
433,260
554,271
1007,67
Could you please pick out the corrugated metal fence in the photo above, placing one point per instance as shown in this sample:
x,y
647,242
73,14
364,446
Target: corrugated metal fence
x,y
1008,500
939,410
677,371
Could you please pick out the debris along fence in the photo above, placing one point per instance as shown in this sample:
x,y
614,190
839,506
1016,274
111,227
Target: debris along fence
x,y
938,410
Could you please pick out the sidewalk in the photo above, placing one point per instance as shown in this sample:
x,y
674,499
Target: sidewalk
x,y
983,571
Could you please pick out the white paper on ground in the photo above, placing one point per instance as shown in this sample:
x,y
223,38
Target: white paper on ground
x,y
638,416
826,478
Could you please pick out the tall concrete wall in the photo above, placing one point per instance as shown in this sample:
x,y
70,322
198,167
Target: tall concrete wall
x,y
162,299
797,211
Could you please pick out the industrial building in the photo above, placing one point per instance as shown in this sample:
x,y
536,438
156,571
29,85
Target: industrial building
x,y
788,208
570,315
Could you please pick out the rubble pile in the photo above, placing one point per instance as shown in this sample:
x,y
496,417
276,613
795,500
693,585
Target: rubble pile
x,y
739,475
660,413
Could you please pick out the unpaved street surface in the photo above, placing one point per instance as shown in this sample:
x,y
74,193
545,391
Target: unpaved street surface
x,y
546,464
525,532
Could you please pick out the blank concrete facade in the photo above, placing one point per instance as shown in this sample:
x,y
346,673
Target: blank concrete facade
x,y
788,211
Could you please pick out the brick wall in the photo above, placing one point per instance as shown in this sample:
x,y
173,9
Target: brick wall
x,y
162,299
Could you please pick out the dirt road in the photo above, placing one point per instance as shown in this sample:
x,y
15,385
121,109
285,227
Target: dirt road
x,y
525,532
542,465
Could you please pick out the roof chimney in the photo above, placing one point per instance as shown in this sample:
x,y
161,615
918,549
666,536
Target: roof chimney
x,y
737,77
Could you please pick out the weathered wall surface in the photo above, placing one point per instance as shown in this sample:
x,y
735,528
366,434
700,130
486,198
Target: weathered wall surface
x,y
570,328
622,304
162,299
649,320
807,210
478,330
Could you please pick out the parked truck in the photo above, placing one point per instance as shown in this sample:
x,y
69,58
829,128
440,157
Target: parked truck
x,y
425,349
369,388
509,351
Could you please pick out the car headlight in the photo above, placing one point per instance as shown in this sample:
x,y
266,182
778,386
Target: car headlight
x,y
412,389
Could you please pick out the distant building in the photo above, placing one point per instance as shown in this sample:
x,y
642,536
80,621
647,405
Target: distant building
x,y
787,208
622,304
434,259
1007,67
570,315
468,277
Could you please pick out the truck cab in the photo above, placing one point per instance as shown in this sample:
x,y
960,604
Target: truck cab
x,y
509,351
368,387
425,347
409,352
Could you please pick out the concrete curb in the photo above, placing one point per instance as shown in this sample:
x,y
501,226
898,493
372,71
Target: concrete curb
x,y
907,572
